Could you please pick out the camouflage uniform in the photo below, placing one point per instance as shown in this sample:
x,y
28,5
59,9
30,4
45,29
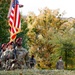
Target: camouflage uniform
x,y
8,55
2,56
20,52
20,55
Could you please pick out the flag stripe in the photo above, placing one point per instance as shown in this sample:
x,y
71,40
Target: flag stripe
x,y
14,19
19,22
17,17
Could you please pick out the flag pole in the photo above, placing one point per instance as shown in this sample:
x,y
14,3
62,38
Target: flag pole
x,y
14,18
20,6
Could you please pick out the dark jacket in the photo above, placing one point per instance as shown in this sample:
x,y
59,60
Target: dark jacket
x,y
60,65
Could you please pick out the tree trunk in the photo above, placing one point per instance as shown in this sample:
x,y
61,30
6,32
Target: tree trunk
x,y
66,59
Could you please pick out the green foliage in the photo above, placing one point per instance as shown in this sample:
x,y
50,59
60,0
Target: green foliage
x,y
41,30
51,36
65,43
4,5
23,33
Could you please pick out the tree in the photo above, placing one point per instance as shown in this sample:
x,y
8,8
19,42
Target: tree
x,y
65,43
23,33
4,7
41,28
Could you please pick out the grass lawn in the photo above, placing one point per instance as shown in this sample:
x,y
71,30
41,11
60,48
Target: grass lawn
x,y
38,72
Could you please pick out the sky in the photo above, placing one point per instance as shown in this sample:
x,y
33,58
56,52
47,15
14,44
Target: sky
x,y
34,5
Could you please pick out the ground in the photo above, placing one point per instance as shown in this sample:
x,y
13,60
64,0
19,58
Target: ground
x,y
38,72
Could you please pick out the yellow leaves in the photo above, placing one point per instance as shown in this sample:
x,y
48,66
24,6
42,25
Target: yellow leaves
x,y
43,64
45,11
55,12
46,55
55,19
35,23
40,36
66,25
32,50
31,36
30,27
30,18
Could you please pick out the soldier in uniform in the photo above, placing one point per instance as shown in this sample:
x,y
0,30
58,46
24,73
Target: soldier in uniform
x,y
60,64
3,47
9,55
32,61
20,52
2,57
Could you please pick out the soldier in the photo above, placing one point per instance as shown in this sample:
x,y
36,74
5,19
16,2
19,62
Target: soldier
x,y
60,64
3,47
2,57
20,52
32,61
9,50
19,47
9,55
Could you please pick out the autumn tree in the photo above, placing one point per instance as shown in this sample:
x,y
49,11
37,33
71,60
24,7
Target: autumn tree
x,y
41,30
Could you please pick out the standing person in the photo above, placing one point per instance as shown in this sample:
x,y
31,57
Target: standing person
x,y
60,64
32,61
19,47
9,55
2,53
2,56
21,52
3,47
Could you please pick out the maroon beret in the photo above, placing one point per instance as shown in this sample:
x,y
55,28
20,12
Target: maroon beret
x,y
9,43
18,39
3,45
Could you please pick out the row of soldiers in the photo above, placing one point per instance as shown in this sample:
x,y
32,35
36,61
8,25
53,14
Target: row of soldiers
x,y
14,56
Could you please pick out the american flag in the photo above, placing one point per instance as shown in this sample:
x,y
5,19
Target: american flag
x,y
12,33
14,19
